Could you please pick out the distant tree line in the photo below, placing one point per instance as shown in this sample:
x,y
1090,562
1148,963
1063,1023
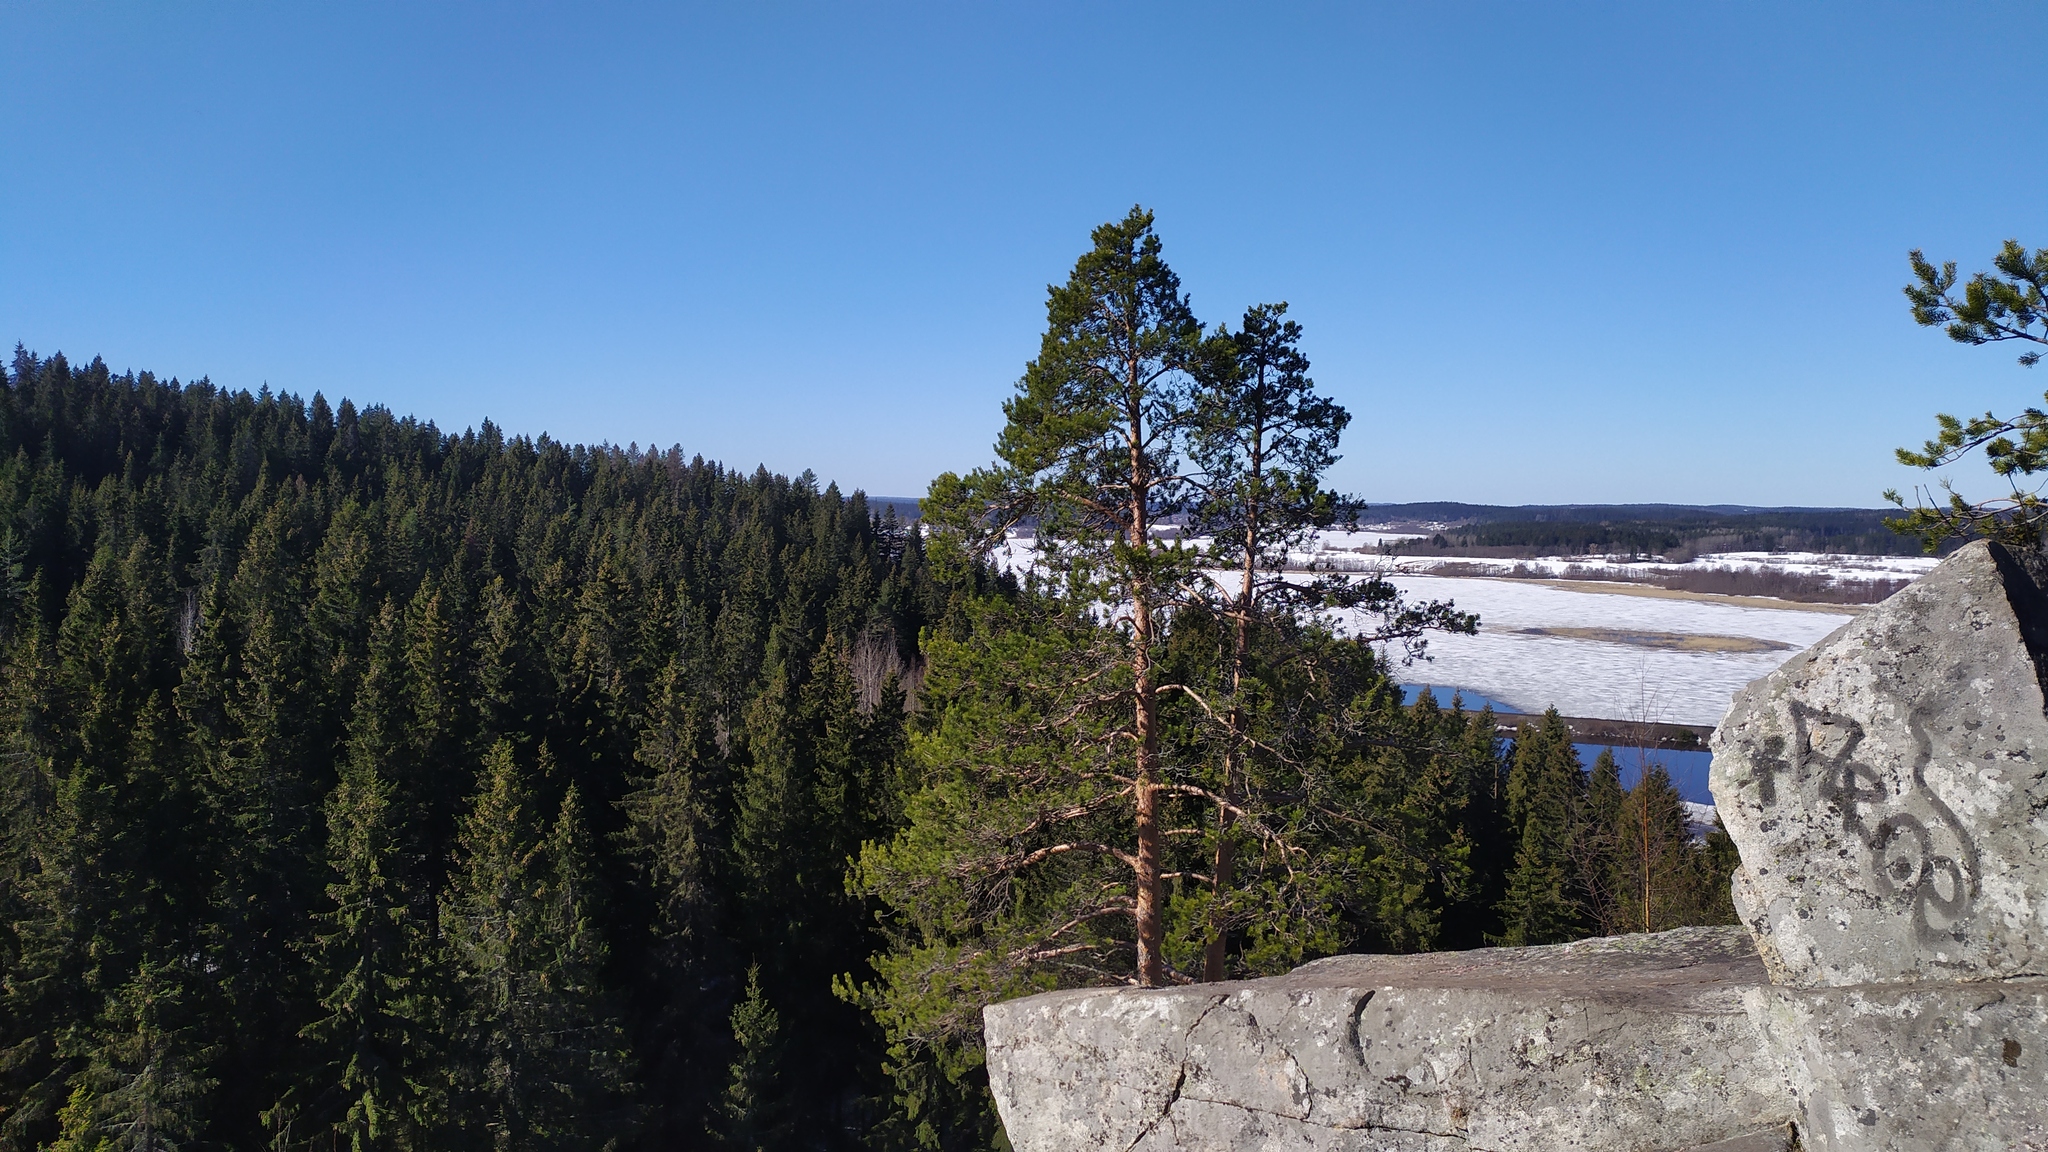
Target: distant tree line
x,y
367,786
1678,535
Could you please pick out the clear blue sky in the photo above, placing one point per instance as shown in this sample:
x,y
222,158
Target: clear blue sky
x,y
1544,252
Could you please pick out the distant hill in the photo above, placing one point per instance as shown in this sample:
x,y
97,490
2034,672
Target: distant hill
x,y
905,506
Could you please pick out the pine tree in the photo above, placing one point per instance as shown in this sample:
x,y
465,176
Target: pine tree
x,y
1262,439
1091,450
2008,304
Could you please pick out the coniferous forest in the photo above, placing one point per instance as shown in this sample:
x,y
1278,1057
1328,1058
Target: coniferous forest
x,y
369,786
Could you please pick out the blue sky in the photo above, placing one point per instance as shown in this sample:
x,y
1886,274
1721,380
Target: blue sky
x,y
1545,253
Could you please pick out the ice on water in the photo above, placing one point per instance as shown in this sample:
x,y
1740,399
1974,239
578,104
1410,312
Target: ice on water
x,y
1597,678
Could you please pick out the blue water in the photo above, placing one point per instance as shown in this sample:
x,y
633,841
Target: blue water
x,y
1688,769
1444,693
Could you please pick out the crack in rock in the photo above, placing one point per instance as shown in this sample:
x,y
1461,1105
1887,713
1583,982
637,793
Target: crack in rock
x,y
1180,1077
1332,1126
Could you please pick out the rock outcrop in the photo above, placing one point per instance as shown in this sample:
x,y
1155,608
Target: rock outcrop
x,y
1626,1042
1888,791
1888,788
1911,1067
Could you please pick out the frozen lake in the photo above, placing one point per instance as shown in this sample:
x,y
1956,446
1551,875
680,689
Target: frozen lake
x,y
1521,660
1591,651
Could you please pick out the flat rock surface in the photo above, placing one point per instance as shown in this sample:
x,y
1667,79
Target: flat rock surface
x,y
1912,1068
1888,788
1629,1044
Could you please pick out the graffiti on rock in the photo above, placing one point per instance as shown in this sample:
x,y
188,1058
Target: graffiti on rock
x,y
1920,856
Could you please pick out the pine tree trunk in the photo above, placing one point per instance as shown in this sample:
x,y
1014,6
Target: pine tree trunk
x,y
1151,923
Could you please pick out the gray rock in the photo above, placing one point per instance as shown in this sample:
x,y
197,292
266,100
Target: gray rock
x,y
1888,789
1912,1068
1632,1043
1778,1138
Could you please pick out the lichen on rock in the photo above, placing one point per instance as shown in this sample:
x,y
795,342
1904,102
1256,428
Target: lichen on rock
x,y
1886,788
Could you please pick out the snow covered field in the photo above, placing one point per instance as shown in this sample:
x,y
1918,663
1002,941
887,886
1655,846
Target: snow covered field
x,y
1611,679
1606,654
1793,563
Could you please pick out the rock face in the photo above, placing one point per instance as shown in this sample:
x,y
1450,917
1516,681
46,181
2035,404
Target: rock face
x,y
1911,1067
1636,1042
1888,788
1888,792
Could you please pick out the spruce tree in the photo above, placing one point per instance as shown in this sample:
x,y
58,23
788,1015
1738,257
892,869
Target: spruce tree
x,y
1656,860
491,916
1598,851
587,1076
751,1111
381,1082
1543,904
539,1053
143,1087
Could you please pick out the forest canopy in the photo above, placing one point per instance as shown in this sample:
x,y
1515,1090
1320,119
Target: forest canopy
x,y
371,786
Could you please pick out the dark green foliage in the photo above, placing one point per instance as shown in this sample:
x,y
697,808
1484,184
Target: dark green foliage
x,y
1545,903
751,1113
540,1058
1090,451
364,786
1666,878
141,1088
1261,439
1676,532
377,1079
412,790
1138,769
2007,305
1428,834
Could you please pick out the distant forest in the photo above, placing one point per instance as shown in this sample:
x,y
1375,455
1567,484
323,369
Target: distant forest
x,y
1674,531
364,785
1670,531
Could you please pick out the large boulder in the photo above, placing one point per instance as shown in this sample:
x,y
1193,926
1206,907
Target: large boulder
x,y
1633,1043
1888,788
